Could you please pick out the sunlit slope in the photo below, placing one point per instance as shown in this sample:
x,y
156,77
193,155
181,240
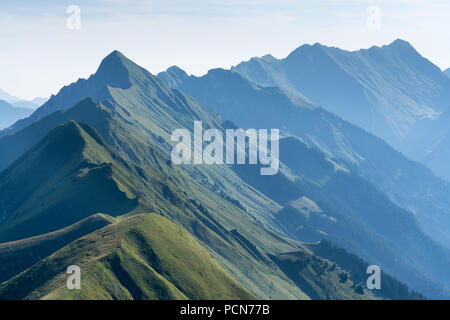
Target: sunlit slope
x,y
136,121
68,176
66,191
146,256
344,168
17,256
142,257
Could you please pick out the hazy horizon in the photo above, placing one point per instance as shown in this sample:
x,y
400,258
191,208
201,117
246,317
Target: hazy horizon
x,y
43,54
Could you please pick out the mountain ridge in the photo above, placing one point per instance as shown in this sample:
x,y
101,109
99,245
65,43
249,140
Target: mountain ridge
x,y
21,103
137,126
9,114
391,91
132,253
73,158
352,149
130,137
238,99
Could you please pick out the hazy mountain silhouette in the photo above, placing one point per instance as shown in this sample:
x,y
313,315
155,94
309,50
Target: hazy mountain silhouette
x,y
251,106
33,104
7,97
391,91
9,114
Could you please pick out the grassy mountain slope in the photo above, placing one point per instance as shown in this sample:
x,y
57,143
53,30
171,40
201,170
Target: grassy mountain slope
x,y
408,183
121,81
17,256
137,123
141,257
14,146
322,200
70,171
234,221
82,150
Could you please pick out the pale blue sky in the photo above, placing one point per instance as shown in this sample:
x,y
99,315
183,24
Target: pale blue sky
x,y
39,54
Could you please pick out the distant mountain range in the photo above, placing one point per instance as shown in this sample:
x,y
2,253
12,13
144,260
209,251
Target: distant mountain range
x,y
88,179
250,105
33,104
391,91
9,114
13,109
6,96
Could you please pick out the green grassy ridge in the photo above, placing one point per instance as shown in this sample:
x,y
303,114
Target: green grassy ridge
x,y
136,121
87,111
152,188
72,171
405,183
17,256
132,122
126,129
144,257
